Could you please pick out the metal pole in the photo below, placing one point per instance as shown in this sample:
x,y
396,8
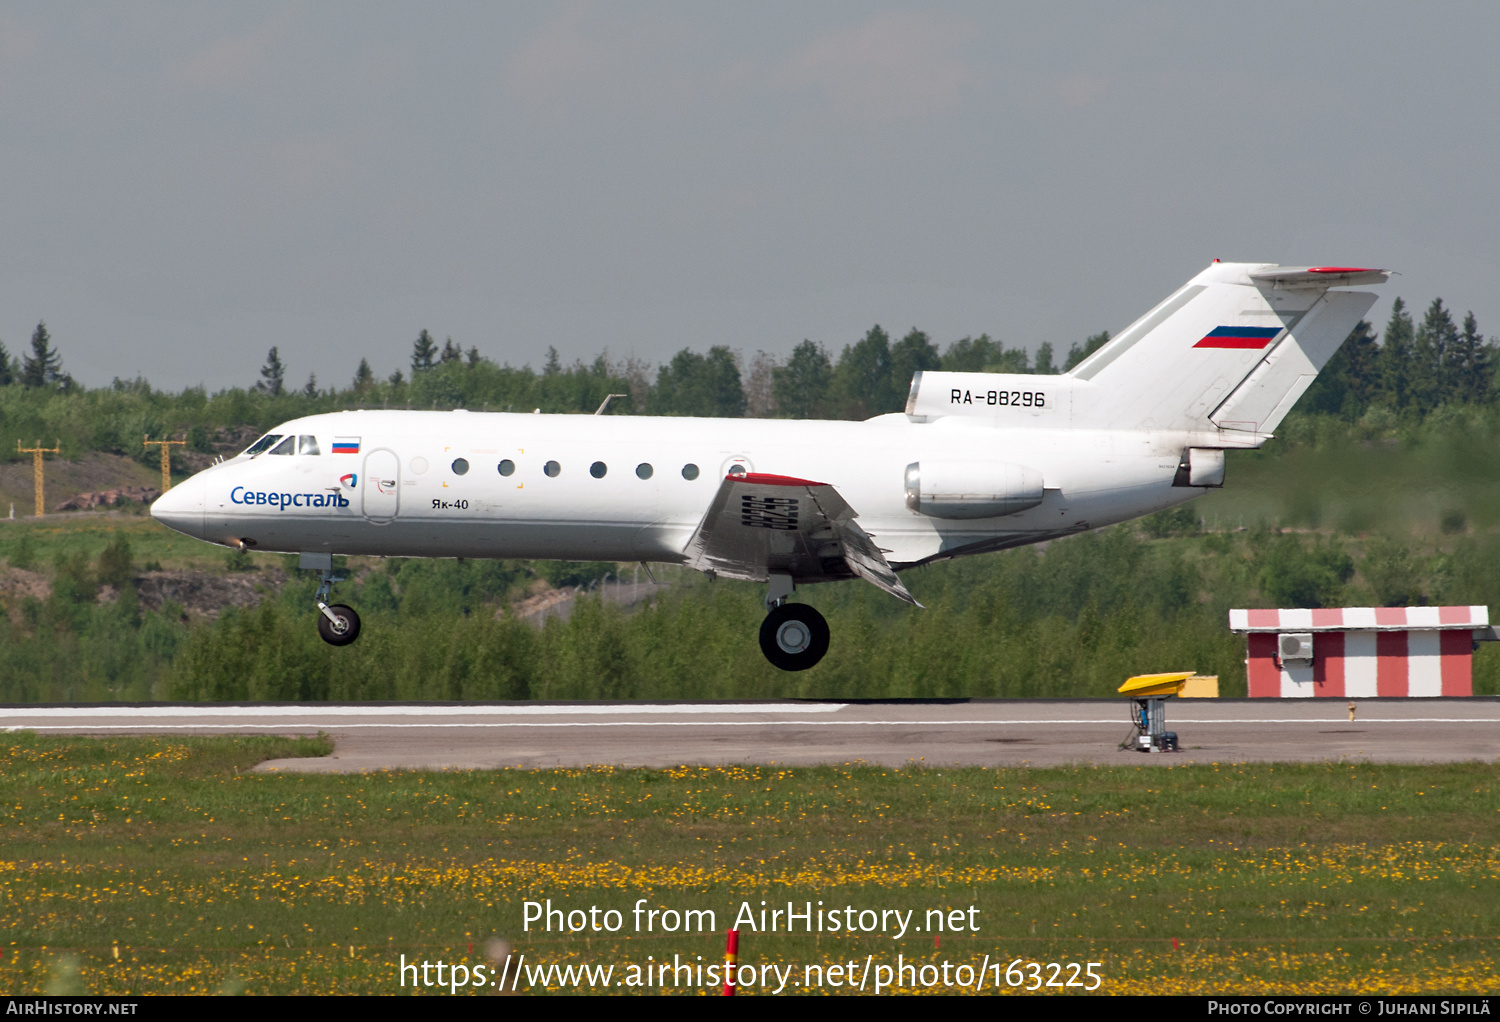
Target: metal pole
x,y
166,458
37,481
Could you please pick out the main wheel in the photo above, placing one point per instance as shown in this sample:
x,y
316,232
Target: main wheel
x,y
794,637
343,630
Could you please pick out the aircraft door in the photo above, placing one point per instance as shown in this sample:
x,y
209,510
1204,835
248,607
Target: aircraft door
x,y
381,491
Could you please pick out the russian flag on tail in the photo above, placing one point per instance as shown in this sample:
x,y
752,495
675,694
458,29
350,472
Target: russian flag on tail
x,y
1239,337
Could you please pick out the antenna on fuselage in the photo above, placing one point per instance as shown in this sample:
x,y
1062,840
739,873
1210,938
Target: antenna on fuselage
x,y
605,403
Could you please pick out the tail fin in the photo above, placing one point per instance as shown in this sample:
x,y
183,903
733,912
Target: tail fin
x,y
1232,350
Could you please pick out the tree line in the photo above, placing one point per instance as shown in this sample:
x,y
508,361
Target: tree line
x,y
1409,371
868,377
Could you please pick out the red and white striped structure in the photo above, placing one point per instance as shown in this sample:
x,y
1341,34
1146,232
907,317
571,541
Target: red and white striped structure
x,y
1365,651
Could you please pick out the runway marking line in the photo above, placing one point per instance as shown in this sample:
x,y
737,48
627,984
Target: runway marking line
x,y
719,723
412,711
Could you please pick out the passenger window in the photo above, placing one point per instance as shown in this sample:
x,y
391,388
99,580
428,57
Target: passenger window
x,y
460,466
643,470
307,445
597,469
262,444
552,468
736,470
507,467
690,471
287,446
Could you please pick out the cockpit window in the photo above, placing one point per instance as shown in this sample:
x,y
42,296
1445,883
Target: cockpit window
x,y
307,445
287,446
262,444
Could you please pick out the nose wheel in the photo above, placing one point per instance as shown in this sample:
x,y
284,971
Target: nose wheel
x,y
338,625
794,636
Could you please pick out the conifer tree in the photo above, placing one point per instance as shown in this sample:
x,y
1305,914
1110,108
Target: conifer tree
x,y
44,364
1395,356
7,369
913,353
311,390
423,353
364,377
801,386
473,356
861,379
1044,364
1430,382
451,352
272,375
1471,365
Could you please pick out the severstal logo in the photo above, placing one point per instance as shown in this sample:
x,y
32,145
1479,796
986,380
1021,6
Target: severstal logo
x,y
283,501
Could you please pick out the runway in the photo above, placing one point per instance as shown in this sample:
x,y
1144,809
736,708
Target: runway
x,y
968,732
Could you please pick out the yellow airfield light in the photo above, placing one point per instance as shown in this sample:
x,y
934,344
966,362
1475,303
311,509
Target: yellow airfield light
x,y
166,458
1143,685
36,469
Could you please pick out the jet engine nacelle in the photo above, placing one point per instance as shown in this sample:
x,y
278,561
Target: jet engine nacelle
x,y
971,489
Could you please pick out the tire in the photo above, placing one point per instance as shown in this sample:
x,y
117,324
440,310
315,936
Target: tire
x,y
794,637
334,635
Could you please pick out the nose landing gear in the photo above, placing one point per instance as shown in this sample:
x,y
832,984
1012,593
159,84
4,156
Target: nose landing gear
x,y
338,625
793,636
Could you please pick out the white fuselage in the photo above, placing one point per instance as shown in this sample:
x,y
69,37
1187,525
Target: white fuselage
x,y
406,498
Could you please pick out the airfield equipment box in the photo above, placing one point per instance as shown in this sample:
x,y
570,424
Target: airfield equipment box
x,y
1200,686
1354,652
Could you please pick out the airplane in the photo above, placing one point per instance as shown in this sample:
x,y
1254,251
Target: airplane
x,y
977,462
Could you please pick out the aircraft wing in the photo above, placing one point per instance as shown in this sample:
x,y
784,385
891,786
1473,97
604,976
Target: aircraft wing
x,y
760,524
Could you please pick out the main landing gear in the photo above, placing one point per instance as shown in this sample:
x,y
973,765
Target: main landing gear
x,y
338,625
793,636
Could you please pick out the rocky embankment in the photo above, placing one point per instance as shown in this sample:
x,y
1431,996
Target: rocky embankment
x,y
115,497
203,594
207,593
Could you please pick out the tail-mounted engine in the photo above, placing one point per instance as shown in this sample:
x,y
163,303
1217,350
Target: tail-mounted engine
x,y
971,489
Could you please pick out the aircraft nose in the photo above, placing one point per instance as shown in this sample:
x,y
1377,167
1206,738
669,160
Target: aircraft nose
x,y
181,507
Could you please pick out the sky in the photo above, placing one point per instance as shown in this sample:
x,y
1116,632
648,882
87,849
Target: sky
x,y
185,185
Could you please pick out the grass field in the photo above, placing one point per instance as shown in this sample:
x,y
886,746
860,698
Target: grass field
x,y
40,542
162,866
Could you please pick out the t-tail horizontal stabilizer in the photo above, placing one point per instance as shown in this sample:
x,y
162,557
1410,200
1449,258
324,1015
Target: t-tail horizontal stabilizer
x,y
760,524
1232,350
1228,354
